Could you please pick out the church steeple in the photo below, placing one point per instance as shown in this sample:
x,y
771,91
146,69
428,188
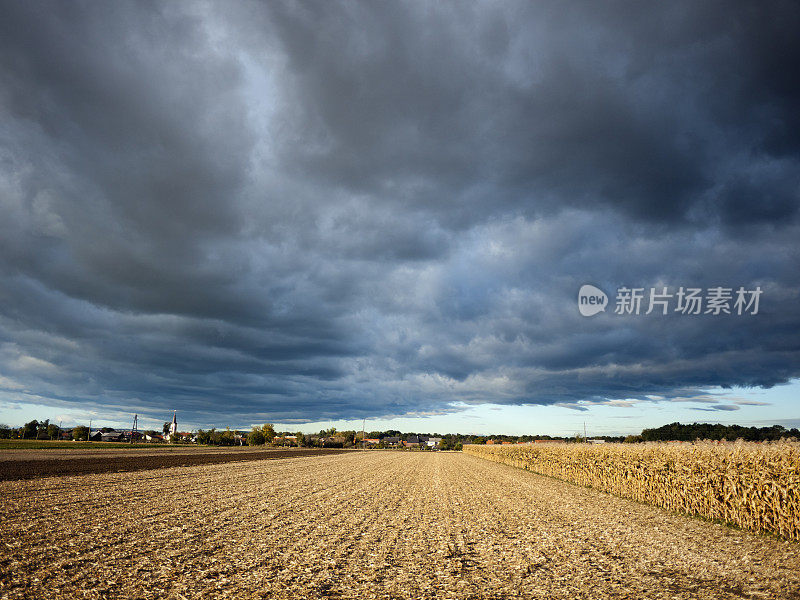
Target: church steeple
x,y
174,427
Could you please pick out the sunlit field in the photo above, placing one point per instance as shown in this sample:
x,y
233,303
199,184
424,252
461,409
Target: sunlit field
x,y
367,525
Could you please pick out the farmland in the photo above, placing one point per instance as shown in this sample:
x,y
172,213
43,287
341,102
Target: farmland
x,y
32,464
754,486
17,444
367,525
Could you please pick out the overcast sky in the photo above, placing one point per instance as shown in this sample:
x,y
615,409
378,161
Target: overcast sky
x,y
315,212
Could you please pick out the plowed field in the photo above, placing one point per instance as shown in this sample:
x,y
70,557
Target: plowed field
x,y
48,463
366,525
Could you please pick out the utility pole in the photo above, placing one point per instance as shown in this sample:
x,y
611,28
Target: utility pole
x,y
363,436
585,439
89,435
135,428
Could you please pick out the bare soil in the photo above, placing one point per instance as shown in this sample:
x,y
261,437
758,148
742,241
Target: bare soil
x,y
367,525
32,464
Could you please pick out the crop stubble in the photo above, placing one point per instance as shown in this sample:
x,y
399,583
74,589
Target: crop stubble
x,y
367,525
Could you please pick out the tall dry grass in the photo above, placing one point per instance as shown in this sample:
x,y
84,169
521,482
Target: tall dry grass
x,y
755,486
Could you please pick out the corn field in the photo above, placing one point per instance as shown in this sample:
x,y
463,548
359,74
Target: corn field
x,y
755,486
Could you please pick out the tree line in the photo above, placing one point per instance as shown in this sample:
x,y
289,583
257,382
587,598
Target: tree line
x,y
331,438
40,430
706,431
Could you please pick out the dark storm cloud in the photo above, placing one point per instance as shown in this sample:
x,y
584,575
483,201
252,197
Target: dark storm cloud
x,y
676,112
301,211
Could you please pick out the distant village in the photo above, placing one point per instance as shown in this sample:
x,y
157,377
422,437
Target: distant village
x,y
266,435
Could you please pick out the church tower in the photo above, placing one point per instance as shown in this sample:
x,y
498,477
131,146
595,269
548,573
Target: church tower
x,y
173,429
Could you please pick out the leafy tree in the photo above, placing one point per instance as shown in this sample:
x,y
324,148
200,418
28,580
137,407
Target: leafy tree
x,y
255,437
53,431
106,429
41,431
268,431
81,432
29,429
301,439
220,438
227,438
166,427
204,437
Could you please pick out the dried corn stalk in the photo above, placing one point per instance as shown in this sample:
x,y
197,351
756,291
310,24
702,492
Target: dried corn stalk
x,y
755,486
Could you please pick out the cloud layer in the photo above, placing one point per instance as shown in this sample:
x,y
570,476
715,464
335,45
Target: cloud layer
x,y
295,212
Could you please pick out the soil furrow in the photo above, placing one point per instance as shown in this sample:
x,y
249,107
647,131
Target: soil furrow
x,y
367,525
